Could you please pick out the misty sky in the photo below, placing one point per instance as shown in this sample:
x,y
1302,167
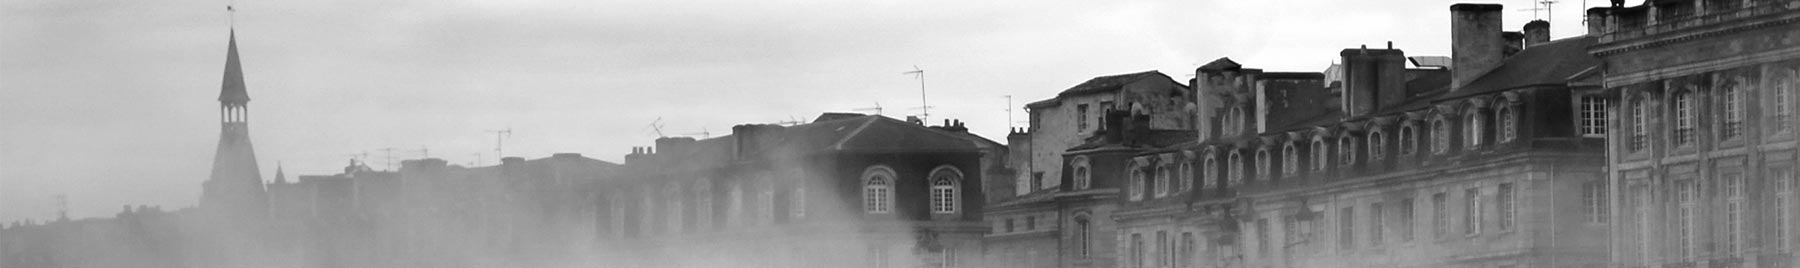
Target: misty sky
x,y
114,102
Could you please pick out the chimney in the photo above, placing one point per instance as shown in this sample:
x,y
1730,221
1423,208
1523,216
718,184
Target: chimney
x,y
1596,21
1476,46
750,138
1515,42
637,155
1537,32
512,165
1373,78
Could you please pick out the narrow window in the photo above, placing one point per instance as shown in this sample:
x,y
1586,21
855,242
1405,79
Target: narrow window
x,y
1734,213
1187,250
1209,173
1185,177
1783,237
1236,170
797,202
1685,232
1409,142
1347,228
1440,136
1508,124
1319,157
1377,226
1593,116
1684,118
1137,184
1506,205
1594,199
1472,211
1262,238
1781,111
1406,220
1162,180
1734,111
1639,124
1081,116
1377,146
1082,180
1290,159
1440,215
1082,236
1262,165
1474,123
1137,251
1346,151
1162,242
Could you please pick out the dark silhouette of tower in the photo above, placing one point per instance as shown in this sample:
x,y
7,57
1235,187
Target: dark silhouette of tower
x,y
236,186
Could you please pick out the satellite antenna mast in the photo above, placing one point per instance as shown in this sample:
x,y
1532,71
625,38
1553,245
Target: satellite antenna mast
x,y
62,206
1009,111
500,140
656,126
388,156
424,152
704,134
925,113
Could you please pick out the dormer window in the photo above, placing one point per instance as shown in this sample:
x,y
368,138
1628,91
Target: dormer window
x,y
1475,128
1320,159
1236,169
1209,172
1346,151
1377,146
1290,159
1440,136
1508,124
1409,141
1162,179
1262,164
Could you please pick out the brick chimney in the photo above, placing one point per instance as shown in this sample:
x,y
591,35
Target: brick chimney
x,y
1537,32
1476,46
1373,78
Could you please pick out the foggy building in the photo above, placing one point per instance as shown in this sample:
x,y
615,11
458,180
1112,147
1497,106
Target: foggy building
x,y
842,191
235,187
1702,134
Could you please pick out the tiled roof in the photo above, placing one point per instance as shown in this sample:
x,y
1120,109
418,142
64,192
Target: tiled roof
x,y
1551,63
1110,83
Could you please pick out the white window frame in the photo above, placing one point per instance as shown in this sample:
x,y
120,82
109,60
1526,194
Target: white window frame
x,y
946,183
878,189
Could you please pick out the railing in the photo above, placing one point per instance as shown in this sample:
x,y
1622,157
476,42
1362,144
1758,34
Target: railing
x,y
1641,26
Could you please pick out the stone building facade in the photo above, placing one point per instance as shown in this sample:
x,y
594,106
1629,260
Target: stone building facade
x,y
1702,134
842,191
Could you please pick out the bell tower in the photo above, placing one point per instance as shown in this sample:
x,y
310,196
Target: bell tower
x,y
236,185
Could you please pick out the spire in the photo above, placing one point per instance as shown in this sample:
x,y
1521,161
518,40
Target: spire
x,y
280,177
232,90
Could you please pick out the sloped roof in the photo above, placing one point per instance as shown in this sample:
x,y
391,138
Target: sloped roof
x,y
866,133
232,90
1111,83
1551,63
1221,64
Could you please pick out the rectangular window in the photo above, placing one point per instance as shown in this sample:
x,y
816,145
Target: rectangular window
x,y
1506,205
1593,116
1262,238
1009,225
1081,116
1440,215
1472,211
1137,250
1376,224
1734,213
1290,234
1347,228
1685,194
1593,197
1406,220
1162,243
1784,208
1780,112
1030,223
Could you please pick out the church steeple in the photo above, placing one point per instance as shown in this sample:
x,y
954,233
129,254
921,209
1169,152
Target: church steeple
x,y
236,185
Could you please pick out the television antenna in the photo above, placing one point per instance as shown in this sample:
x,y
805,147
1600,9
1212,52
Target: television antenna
x,y
500,140
925,107
791,121
657,127
1545,8
423,152
388,154
1009,111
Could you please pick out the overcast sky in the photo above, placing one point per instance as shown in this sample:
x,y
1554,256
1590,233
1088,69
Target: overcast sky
x,y
114,102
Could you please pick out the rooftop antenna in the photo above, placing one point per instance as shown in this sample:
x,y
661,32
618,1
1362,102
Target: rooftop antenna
x,y
877,108
790,122
925,107
388,155
500,140
1545,8
656,126
1009,111
62,206
477,161
423,152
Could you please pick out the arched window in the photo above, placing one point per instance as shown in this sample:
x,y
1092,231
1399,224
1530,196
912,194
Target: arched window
x,y
1236,123
672,191
1733,109
1377,145
1162,179
1346,151
1137,182
1082,176
1263,166
878,190
1209,172
1185,177
1083,236
1440,136
1290,159
1236,169
1684,117
1409,140
765,200
703,204
1508,124
944,182
1320,161
1474,129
